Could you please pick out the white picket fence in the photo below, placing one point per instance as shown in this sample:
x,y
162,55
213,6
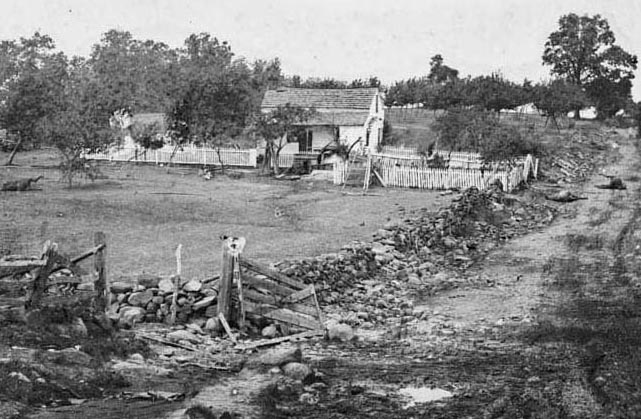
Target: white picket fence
x,y
188,155
409,172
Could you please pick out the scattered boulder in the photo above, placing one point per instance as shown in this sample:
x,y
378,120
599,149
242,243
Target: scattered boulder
x,y
340,331
213,325
296,371
277,356
269,332
131,315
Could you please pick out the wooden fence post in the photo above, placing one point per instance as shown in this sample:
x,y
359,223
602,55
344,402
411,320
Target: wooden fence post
x,y
40,282
103,290
174,298
226,276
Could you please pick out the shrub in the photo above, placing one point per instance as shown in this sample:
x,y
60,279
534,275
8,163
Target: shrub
x,y
482,131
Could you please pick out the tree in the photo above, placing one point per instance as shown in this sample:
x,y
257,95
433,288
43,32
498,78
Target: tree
x,y
217,95
440,73
30,82
79,123
276,126
557,98
583,51
140,75
494,93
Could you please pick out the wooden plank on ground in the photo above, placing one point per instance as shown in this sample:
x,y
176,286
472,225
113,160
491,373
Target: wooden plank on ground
x,y
276,341
277,276
291,317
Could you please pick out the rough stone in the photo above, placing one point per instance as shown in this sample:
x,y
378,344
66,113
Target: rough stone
x,y
340,331
296,370
140,299
120,287
193,286
278,356
130,315
194,328
269,332
148,280
165,285
213,325
205,302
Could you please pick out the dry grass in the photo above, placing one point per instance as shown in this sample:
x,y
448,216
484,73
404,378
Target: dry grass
x,y
146,211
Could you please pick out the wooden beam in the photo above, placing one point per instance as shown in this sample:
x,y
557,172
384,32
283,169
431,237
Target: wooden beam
x,y
291,317
276,341
88,253
19,267
223,321
102,284
299,295
380,179
276,276
261,308
267,284
226,277
40,282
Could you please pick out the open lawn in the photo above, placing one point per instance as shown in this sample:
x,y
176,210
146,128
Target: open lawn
x,y
146,211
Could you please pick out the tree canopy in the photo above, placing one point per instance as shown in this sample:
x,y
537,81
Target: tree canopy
x,y
583,51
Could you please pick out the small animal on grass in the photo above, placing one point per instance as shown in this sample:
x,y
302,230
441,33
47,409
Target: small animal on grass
x,y
20,185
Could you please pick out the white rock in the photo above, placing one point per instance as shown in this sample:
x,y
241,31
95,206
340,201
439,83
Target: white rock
x,y
340,331
192,286
166,286
296,370
269,332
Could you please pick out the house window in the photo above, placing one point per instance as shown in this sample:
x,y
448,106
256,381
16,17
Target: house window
x,y
367,138
305,143
376,103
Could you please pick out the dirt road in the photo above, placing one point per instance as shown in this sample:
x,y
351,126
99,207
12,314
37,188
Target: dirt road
x,y
529,345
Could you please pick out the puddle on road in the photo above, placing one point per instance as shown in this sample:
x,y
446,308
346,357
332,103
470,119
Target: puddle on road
x,y
423,395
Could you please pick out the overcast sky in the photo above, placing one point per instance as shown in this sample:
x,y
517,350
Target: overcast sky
x,y
344,39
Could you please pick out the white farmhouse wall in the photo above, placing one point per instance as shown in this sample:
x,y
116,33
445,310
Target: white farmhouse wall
x,y
321,136
350,134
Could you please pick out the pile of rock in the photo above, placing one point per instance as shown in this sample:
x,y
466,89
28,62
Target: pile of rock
x,y
149,299
369,283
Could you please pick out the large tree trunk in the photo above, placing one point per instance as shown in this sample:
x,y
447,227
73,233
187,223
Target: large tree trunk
x,y
13,152
275,154
577,114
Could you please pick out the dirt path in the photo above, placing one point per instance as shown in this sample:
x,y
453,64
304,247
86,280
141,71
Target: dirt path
x,y
503,351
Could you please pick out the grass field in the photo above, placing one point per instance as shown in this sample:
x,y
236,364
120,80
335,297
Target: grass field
x,y
146,211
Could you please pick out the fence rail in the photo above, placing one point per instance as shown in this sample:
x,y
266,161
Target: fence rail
x,y
412,172
191,155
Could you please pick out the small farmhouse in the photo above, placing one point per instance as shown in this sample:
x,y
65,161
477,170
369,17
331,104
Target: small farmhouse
x,y
346,115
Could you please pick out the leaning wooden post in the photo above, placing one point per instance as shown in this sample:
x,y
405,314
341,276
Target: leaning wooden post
x,y
103,290
226,277
174,298
40,282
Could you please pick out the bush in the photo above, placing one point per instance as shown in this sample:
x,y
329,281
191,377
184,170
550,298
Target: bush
x,y
482,131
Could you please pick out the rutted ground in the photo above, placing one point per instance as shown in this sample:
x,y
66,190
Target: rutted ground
x,y
518,348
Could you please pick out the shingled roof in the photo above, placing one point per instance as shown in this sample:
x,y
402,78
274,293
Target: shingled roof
x,y
349,118
320,98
